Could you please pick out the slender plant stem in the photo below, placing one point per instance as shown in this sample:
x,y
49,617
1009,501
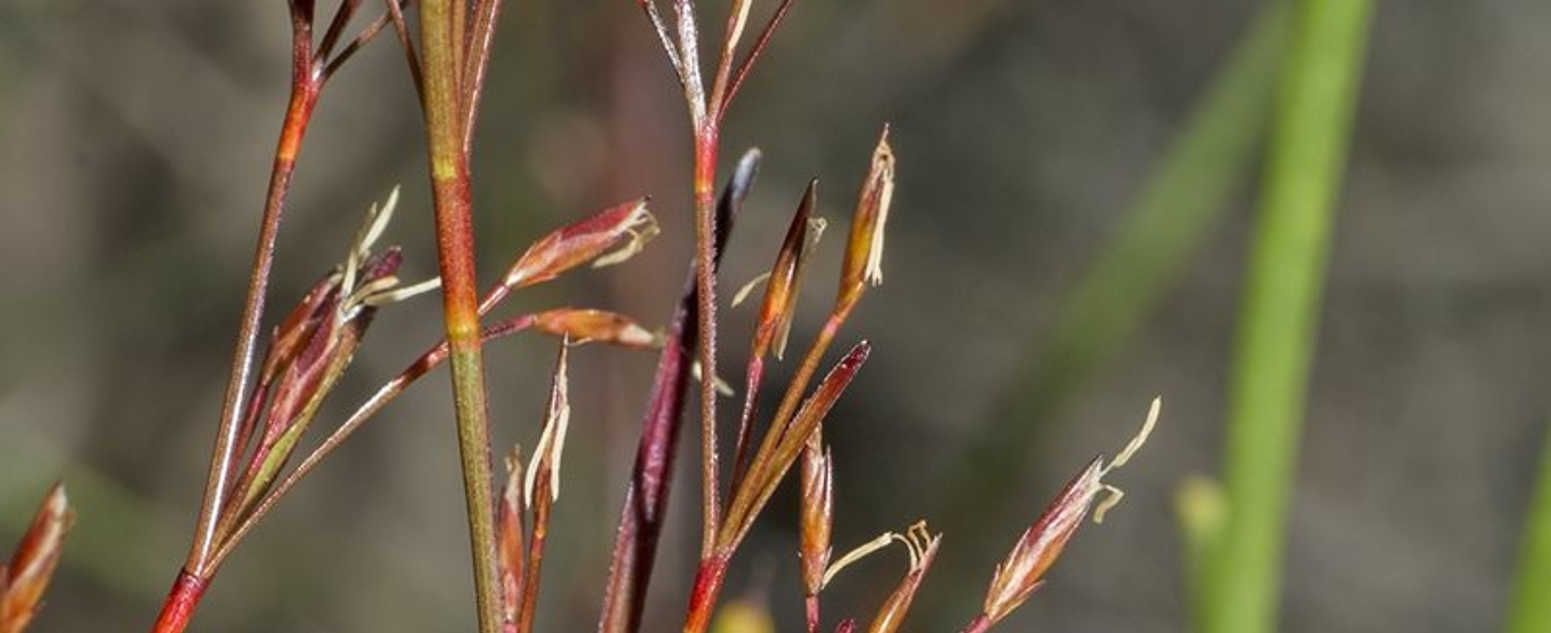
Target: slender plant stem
x,y
702,597
705,289
646,495
1530,612
181,601
481,38
736,82
1278,321
304,95
455,254
787,408
542,502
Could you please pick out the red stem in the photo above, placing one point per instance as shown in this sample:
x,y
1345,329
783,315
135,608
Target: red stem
x,y
702,598
530,585
705,289
441,24
180,604
646,496
740,455
748,61
813,613
304,96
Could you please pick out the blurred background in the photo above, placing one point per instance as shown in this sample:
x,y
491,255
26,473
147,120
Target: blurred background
x,y
1058,255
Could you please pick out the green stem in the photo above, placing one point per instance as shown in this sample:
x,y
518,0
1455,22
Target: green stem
x,y
1279,312
455,254
1530,612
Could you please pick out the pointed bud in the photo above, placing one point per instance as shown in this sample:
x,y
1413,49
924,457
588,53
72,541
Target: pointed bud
x,y
585,240
1016,578
24,579
1042,543
818,515
297,327
922,545
785,282
508,527
846,626
551,446
864,250
584,325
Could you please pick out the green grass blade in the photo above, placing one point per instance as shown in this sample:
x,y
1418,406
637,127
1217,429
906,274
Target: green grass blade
x,y
1280,307
1530,611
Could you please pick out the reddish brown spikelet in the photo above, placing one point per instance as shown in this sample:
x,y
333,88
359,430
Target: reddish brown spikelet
x,y
785,284
1041,544
582,241
864,249
288,337
586,325
1017,577
923,550
26,577
509,546
818,515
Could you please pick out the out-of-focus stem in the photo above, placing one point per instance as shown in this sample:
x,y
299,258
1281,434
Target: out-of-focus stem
x,y
1530,612
1280,308
980,624
455,255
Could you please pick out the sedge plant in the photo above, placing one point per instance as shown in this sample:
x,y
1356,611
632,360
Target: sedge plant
x,y
281,376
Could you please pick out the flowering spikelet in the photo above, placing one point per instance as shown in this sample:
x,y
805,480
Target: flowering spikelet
x,y
588,239
1042,543
922,546
586,325
818,516
785,278
509,540
551,446
310,350
864,250
24,579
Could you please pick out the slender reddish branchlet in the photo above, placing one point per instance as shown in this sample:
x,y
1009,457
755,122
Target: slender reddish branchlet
x,y
706,112
646,494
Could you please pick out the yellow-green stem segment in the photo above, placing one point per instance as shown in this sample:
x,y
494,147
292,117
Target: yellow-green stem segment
x,y
455,253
